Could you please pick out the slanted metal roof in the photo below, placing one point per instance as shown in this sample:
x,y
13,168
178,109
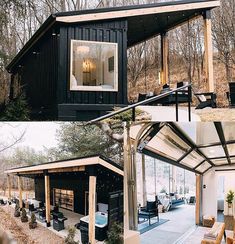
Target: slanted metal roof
x,y
68,165
144,21
197,147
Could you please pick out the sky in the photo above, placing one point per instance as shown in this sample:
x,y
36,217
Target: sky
x,y
37,134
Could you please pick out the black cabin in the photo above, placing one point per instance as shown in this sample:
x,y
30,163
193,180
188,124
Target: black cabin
x,y
75,66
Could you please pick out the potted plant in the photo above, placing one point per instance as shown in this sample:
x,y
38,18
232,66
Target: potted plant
x,y
17,211
33,222
70,237
230,198
115,234
24,217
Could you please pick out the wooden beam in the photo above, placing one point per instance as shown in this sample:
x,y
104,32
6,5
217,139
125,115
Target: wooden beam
x,y
72,165
208,51
137,12
20,192
164,58
70,169
47,200
92,208
9,186
144,181
198,199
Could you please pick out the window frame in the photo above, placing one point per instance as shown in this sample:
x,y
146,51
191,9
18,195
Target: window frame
x,y
94,88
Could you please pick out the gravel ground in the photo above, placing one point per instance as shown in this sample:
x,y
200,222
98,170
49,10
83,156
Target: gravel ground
x,y
216,114
21,232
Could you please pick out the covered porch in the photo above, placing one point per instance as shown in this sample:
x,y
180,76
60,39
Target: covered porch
x,y
80,192
205,149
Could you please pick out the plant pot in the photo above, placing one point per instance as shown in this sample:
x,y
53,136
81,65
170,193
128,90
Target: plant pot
x,y
32,225
17,214
24,220
229,205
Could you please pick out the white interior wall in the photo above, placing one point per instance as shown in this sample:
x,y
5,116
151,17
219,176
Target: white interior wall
x,y
209,195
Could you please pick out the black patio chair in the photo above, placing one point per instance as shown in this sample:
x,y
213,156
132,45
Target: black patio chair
x,y
41,205
206,99
231,94
149,212
31,208
42,214
2,202
142,97
192,200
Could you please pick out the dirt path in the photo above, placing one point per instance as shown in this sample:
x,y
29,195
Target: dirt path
x,y
21,232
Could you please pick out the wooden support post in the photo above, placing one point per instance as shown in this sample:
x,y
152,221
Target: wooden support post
x,y
133,188
47,200
208,51
20,192
126,174
144,181
9,186
198,199
92,208
164,58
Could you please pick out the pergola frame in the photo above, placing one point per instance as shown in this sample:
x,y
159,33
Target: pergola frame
x,y
143,148
139,143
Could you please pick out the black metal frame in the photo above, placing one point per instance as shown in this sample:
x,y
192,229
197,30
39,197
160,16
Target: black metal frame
x,y
156,127
149,101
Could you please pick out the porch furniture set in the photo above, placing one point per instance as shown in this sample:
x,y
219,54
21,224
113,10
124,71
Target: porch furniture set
x,y
38,207
205,99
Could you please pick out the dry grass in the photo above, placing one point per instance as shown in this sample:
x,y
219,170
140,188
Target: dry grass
x,y
21,232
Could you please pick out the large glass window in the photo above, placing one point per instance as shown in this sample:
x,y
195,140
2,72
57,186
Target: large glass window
x,y
64,198
94,66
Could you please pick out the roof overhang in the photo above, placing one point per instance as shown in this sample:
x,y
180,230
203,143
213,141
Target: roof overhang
x,y
137,11
70,165
197,147
144,21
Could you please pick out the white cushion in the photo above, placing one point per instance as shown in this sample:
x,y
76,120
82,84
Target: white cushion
x,y
202,98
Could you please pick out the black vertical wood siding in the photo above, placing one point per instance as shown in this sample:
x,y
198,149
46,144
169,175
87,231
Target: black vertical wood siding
x,y
107,181
115,32
38,75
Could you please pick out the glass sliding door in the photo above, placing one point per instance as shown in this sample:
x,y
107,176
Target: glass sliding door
x,y
64,198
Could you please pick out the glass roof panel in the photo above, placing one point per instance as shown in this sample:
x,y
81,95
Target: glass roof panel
x,y
190,129
213,152
232,160
219,161
168,144
229,130
203,167
231,149
192,160
206,134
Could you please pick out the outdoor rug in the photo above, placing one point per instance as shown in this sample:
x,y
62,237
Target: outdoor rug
x,y
144,227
